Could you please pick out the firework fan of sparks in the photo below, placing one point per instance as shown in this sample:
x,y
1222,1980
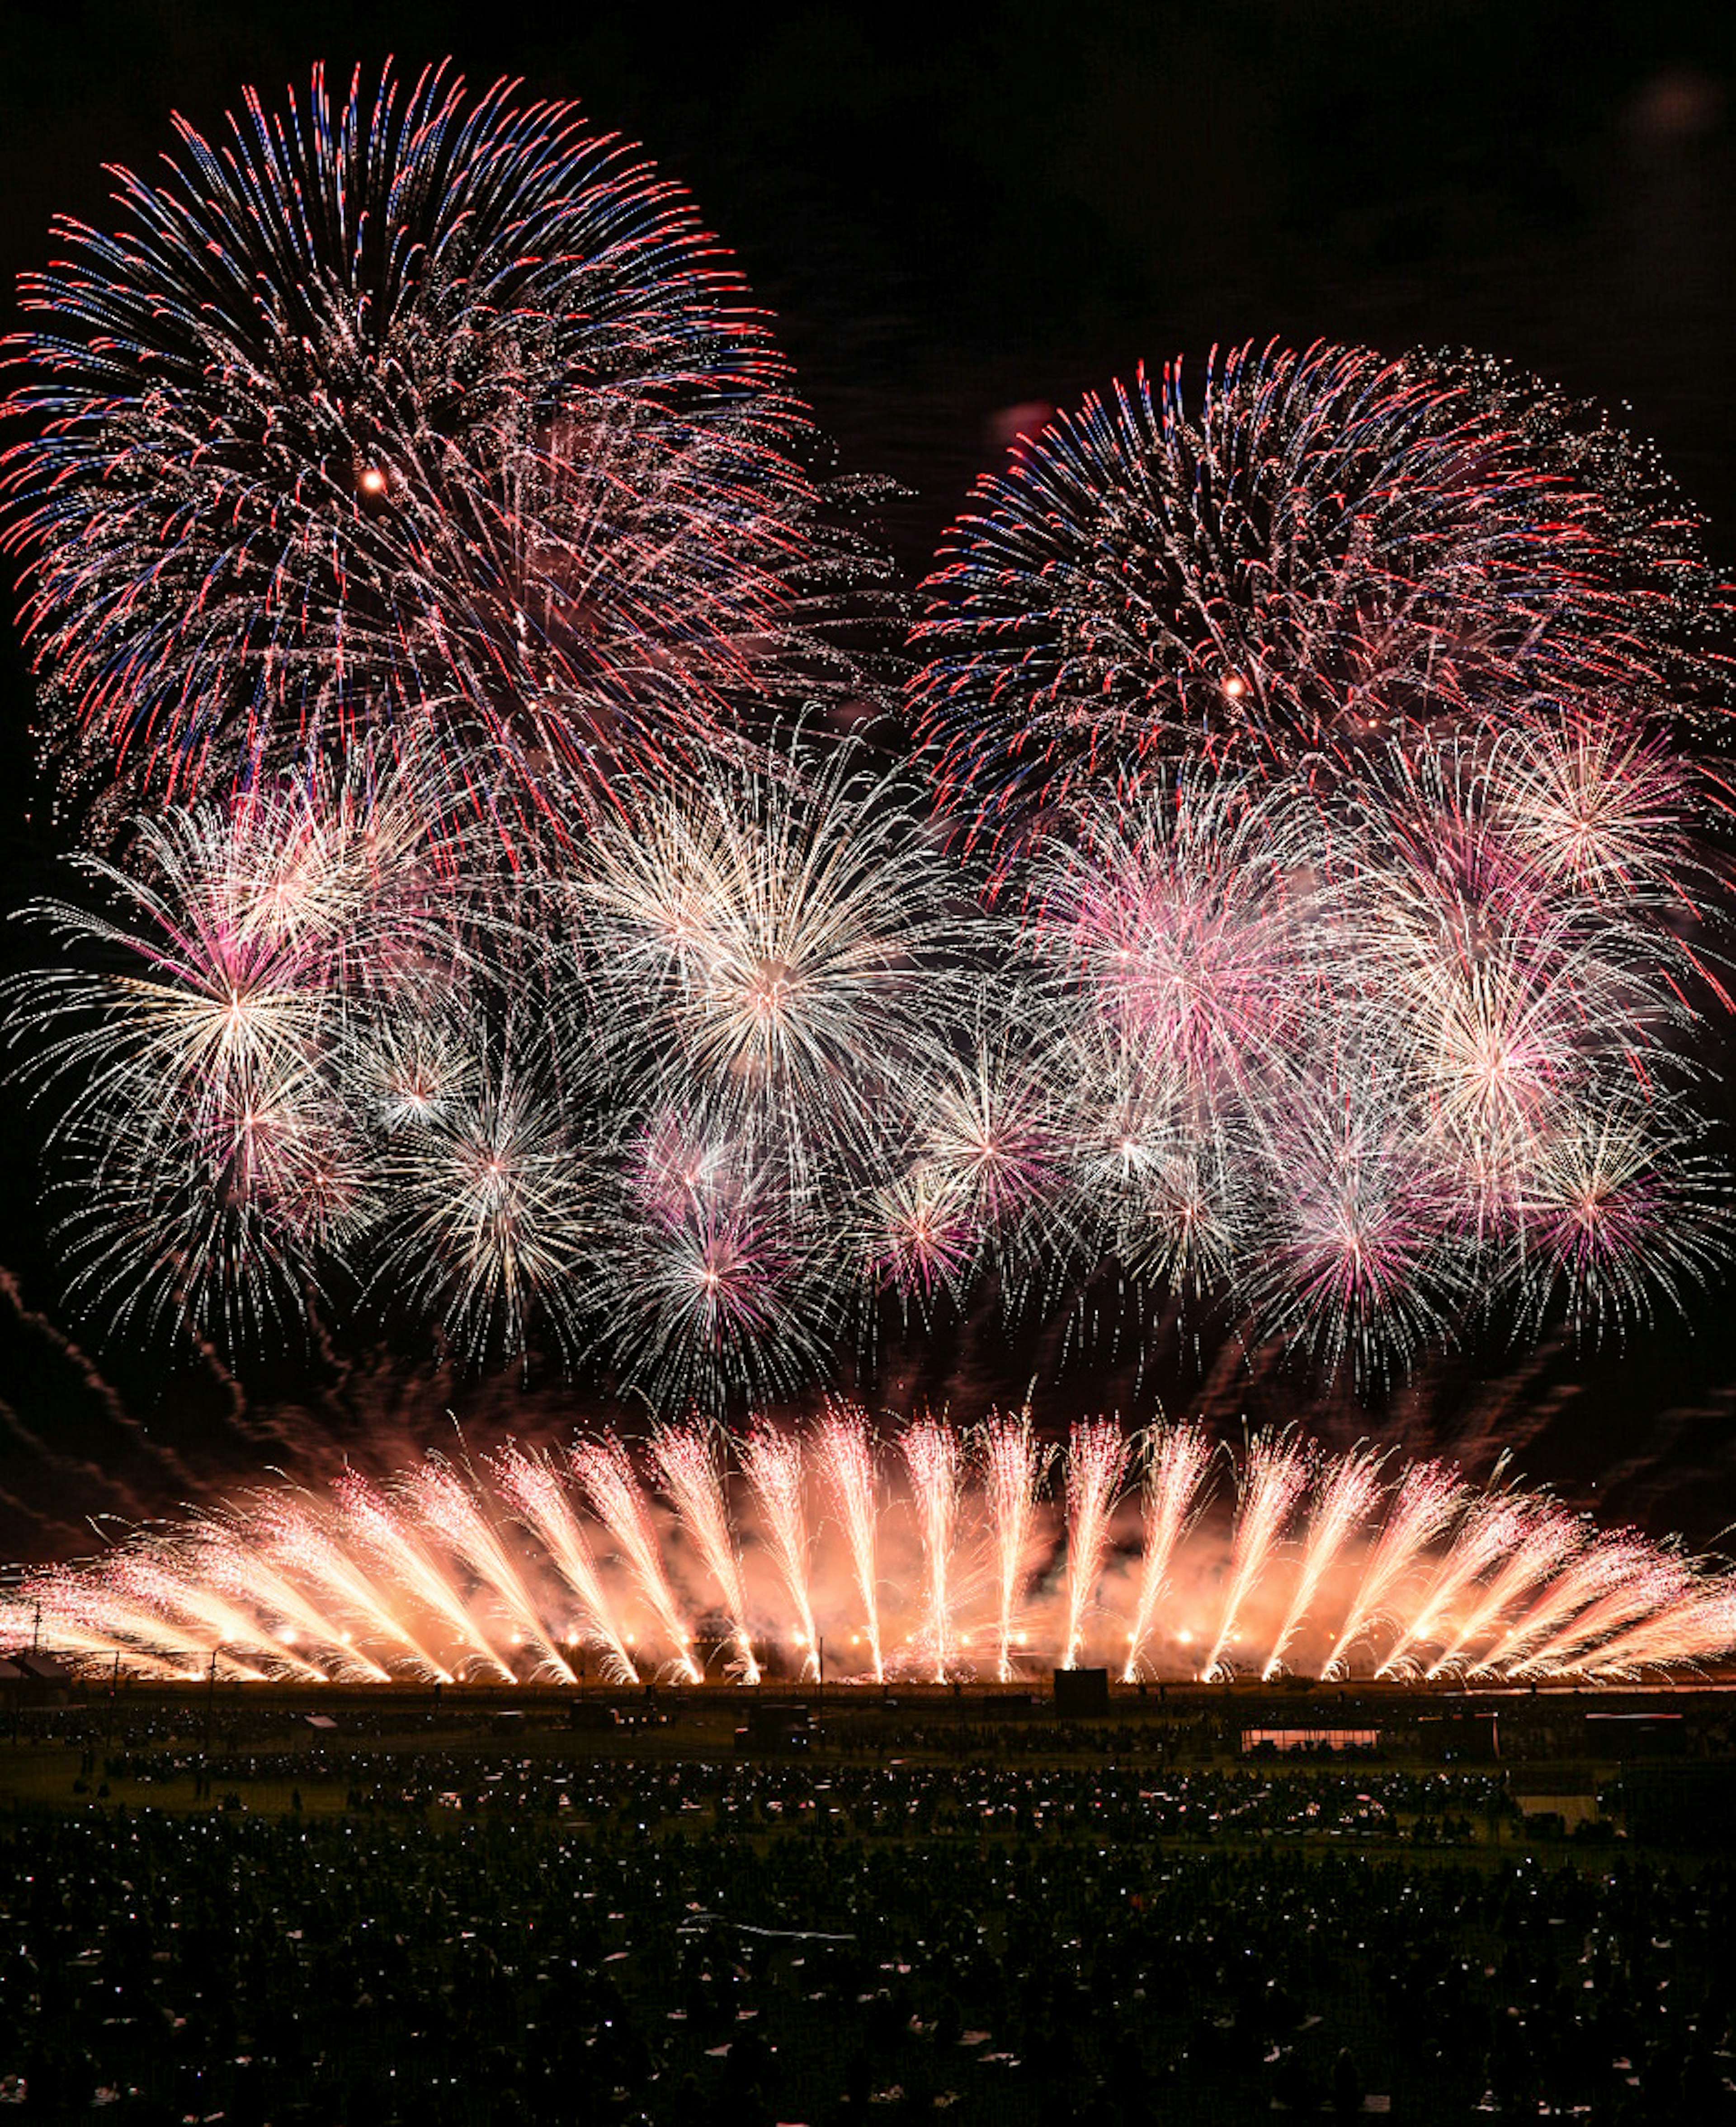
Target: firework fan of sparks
x,y
1324,547
494,1570
427,414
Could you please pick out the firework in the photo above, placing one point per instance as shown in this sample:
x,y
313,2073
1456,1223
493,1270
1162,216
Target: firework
x,y
687,1460
1361,1080
244,1614
191,1088
1325,547
992,1134
385,1579
409,495
1423,1503
392,1540
1273,1473
930,1448
159,1580
1545,1536
1592,1568
445,1505
426,414
1601,805
1366,1259
238,1556
771,1462
532,1488
920,1238
1011,1461
1345,1491
1177,1460
773,942
1641,1581
1700,1626
844,1450
316,1553
89,1618
604,1469
1486,1533
490,1205
1182,923
1097,1460
1619,1209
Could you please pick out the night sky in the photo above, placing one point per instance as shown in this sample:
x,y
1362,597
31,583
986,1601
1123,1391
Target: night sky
x,y
961,218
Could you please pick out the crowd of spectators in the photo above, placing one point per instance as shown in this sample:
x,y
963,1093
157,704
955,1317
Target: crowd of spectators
x,y
891,1799
825,1941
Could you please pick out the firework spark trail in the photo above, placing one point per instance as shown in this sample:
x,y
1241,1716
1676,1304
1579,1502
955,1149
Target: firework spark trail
x,y
1581,1571
280,1585
1426,1500
686,1458
930,1448
100,1612
1274,1472
771,1461
1545,1536
1636,1577
168,1579
80,1620
604,1470
530,1487
1486,1533
1011,1461
1179,1457
1345,1491
293,1538
235,1559
1702,1626
843,1449
1097,1460
448,1507
385,1533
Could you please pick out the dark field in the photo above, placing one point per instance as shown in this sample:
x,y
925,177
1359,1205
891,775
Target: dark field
x,y
950,1908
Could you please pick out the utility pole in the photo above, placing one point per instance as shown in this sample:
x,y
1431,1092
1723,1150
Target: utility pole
x,y
211,1694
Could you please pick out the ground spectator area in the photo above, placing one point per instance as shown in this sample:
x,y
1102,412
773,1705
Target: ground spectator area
x,y
229,1906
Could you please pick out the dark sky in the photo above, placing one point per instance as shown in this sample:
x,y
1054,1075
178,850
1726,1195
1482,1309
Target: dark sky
x,y
957,213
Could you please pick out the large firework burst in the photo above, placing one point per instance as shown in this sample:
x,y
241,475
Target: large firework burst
x,y
1324,548
428,415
